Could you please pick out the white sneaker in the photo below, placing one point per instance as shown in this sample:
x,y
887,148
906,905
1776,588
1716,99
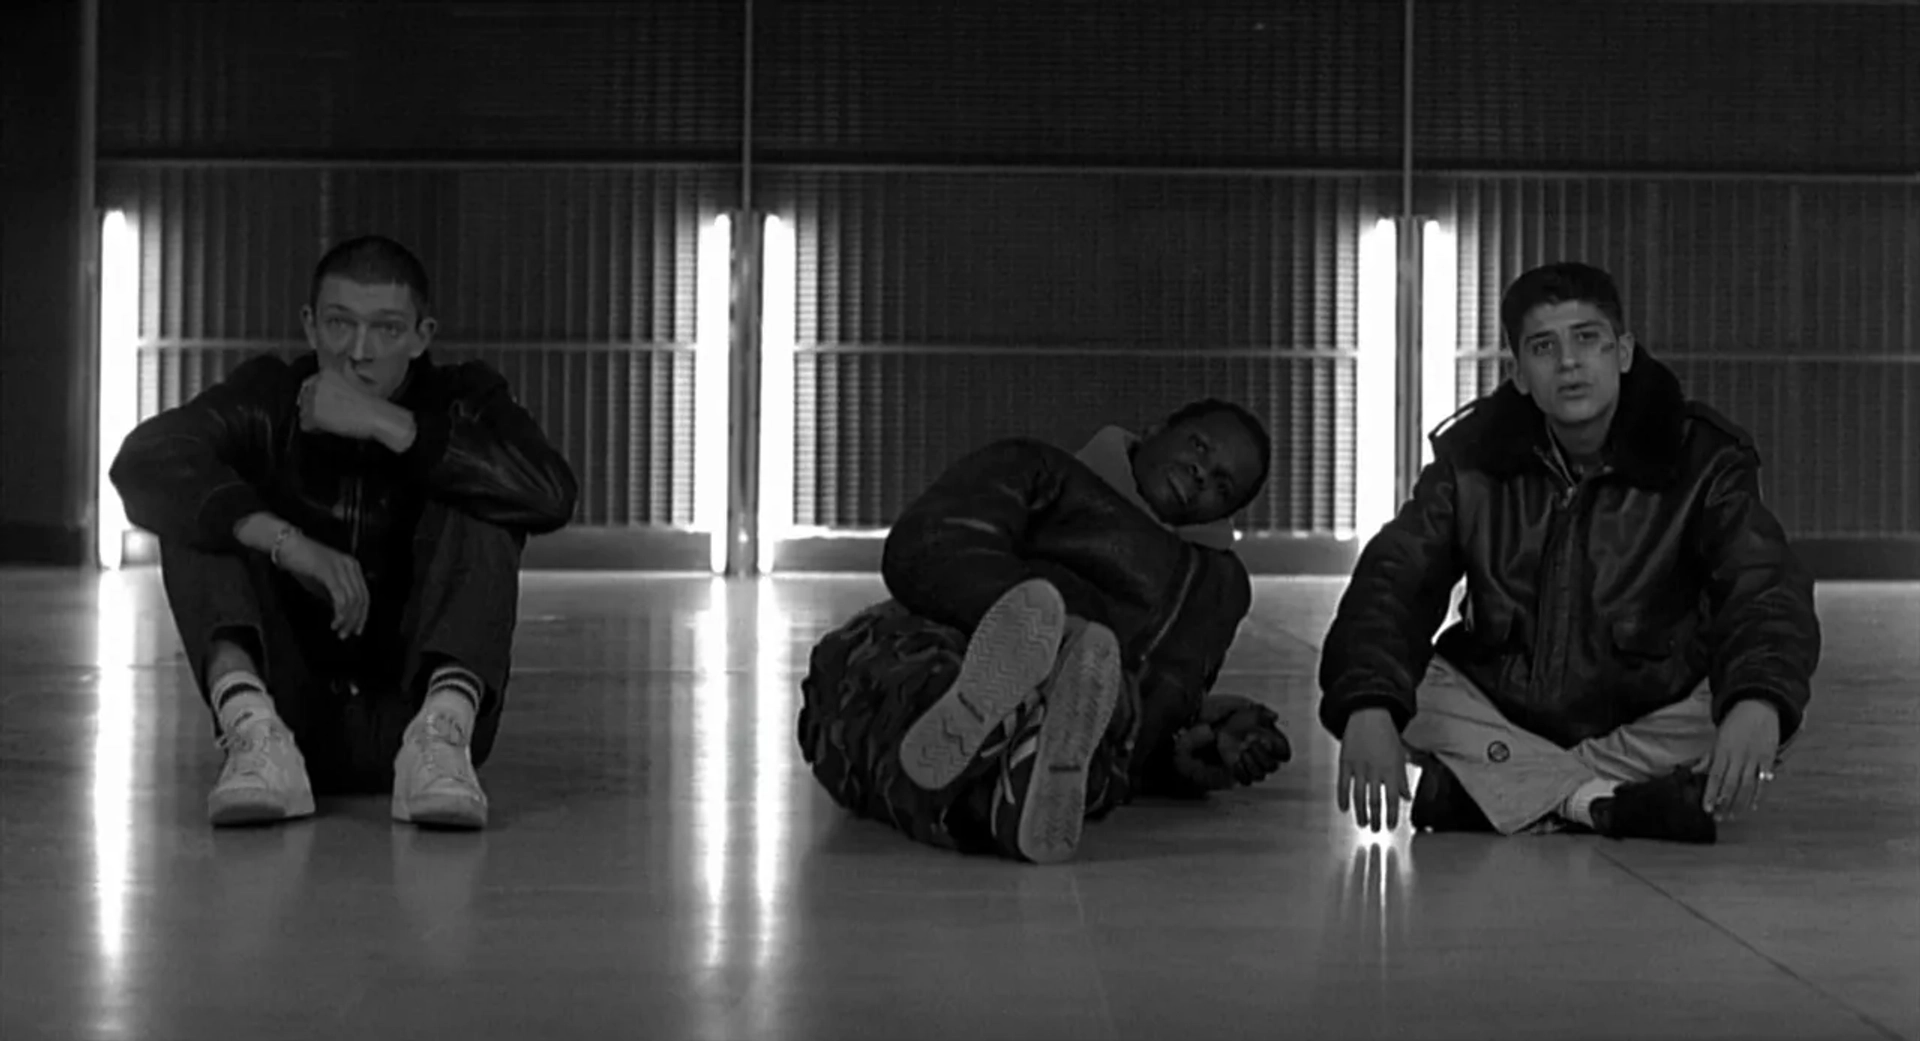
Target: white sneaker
x,y
433,778
1011,652
264,778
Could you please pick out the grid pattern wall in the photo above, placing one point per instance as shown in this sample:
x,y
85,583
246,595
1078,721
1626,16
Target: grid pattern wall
x,y
579,285
947,297
1664,85
1790,307
1232,82
554,78
939,311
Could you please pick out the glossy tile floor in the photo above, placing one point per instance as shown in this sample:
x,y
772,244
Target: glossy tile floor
x,y
663,867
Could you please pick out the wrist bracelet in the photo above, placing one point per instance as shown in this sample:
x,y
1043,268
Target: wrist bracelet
x,y
273,554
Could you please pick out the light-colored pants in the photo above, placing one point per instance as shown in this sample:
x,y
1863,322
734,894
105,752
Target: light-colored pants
x,y
1520,779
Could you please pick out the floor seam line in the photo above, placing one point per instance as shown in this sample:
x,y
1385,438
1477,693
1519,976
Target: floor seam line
x,y
1743,942
1093,961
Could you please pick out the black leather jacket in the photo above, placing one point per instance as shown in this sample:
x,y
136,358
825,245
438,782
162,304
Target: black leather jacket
x,y
1020,509
191,473
1590,602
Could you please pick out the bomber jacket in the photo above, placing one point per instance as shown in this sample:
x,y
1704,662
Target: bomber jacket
x,y
1019,509
191,473
1591,600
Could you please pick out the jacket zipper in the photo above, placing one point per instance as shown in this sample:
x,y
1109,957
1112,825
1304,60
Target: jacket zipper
x,y
1549,646
1562,553
354,492
1179,604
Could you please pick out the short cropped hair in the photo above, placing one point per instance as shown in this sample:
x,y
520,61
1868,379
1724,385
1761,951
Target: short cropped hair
x,y
375,260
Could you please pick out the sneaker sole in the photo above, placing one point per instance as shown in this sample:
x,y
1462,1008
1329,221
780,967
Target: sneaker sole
x,y
1011,653
452,813
247,809
1080,704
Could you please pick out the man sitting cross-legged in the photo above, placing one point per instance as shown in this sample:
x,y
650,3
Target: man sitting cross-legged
x,y
1638,638
1055,625
340,541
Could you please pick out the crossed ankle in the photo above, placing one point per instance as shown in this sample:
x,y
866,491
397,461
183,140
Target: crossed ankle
x,y
1578,807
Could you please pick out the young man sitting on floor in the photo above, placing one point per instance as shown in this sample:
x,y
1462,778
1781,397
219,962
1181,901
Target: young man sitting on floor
x,y
1055,625
1638,638
340,542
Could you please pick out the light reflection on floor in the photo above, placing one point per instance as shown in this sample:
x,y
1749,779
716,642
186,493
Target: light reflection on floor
x,y
662,865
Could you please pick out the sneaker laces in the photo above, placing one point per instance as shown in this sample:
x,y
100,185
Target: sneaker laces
x,y
246,749
440,741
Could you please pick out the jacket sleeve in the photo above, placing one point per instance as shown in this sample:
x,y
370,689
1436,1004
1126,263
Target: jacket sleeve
x,y
961,545
188,474
1182,672
487,457
1764,634
1381,640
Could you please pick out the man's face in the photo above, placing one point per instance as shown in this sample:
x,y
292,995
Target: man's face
x,y
1195,472
370,333
1569,361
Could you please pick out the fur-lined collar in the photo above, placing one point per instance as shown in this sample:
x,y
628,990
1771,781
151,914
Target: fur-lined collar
x,y
1504,432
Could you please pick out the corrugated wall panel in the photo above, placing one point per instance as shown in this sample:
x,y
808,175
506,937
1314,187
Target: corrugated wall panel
x,y
877,427
622,417
1790,307
1236,82
405,77
1657,84
939,311
578,285
1839,440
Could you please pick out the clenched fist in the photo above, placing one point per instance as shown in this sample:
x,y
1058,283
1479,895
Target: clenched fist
x,y
1235,741
331,402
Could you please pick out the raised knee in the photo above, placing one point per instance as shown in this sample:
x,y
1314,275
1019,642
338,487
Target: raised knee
x,y
186,559
473,539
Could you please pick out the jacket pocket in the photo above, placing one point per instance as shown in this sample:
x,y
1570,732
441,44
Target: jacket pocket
x,y
1643,642
1493,632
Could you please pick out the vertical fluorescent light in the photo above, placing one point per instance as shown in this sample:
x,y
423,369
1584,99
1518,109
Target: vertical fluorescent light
x,y
119,374
779,289
711,399
1374,392
1439,329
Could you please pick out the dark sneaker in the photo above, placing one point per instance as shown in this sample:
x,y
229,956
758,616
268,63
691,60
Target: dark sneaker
x,y
1441,803
1666,809
1011,652
1040,794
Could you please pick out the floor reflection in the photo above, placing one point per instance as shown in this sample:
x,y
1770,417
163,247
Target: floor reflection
x,y
1376,892
436,880
663,865
115,722
773,748
712,768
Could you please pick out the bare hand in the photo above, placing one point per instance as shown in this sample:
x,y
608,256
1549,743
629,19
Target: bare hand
x,y
1742,759
332,576
1373,769
332,403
